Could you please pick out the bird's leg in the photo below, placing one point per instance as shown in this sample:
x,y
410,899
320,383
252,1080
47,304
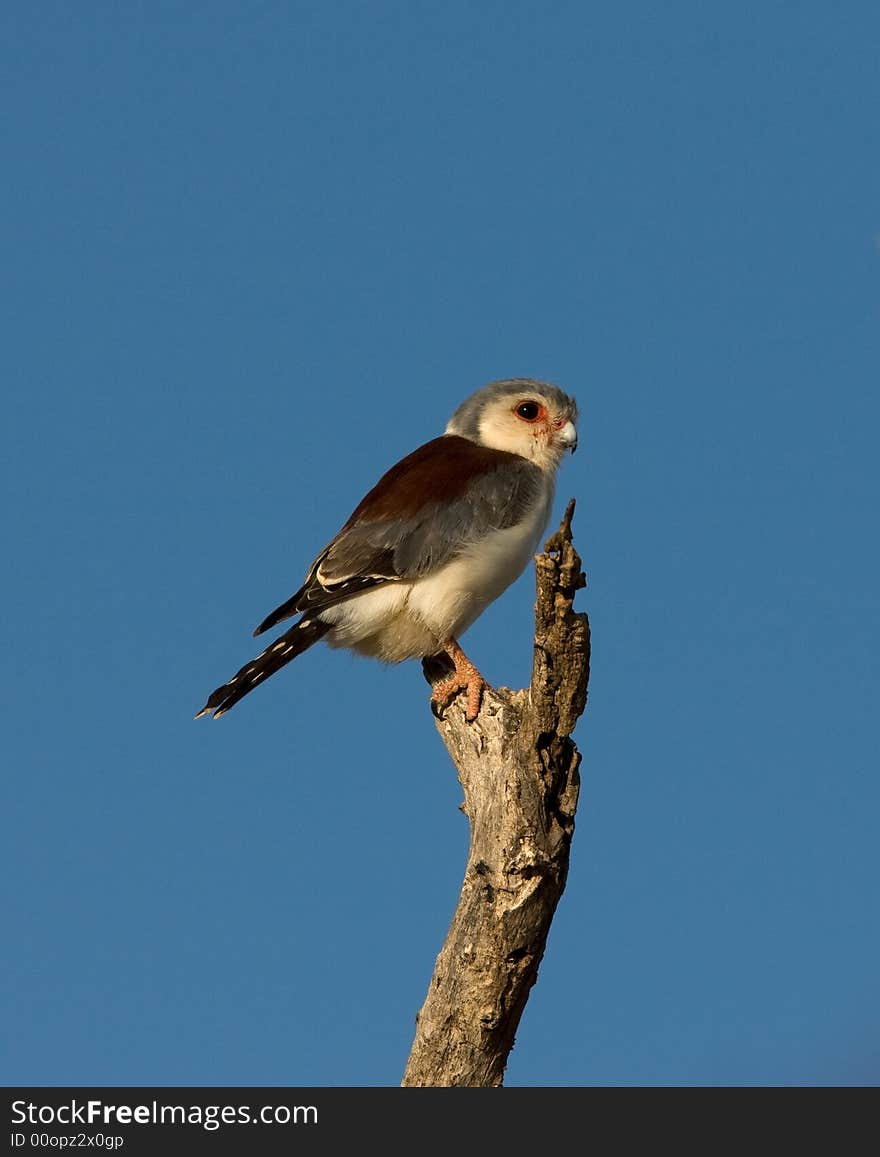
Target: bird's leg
x,y
465,677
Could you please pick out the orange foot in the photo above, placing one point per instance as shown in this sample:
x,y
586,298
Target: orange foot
x,y
465,677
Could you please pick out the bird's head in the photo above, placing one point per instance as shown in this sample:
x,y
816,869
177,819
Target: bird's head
x,y
522,416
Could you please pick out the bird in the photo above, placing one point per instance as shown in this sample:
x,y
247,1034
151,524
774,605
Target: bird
x,y
439,537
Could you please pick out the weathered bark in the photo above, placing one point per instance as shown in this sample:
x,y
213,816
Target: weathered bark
x,y
518,768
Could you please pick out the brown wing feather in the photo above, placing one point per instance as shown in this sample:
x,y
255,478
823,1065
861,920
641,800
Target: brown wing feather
x,y
442,469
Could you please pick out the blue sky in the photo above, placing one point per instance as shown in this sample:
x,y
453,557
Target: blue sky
x,y
252,254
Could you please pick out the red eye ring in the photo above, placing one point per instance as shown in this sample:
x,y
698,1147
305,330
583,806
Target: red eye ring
x,y
529,411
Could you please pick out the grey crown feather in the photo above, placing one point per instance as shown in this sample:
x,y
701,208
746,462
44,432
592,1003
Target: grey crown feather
x,y
466,419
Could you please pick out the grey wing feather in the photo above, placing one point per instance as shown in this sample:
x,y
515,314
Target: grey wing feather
x,y
415,545
371,552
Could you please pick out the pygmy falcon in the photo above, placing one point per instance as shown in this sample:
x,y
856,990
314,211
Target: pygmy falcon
x,y
439,537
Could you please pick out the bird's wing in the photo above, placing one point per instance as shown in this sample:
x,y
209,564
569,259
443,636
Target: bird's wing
x,y
425,511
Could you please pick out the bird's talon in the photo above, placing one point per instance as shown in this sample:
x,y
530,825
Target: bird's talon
x,y
442,697
466,678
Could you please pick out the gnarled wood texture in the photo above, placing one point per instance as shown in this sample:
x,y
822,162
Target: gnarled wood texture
x,y
518,768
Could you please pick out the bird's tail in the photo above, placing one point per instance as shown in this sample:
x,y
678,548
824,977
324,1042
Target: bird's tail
x,y
286,647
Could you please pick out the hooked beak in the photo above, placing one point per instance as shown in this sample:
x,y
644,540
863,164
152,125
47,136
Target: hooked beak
x,y
568,436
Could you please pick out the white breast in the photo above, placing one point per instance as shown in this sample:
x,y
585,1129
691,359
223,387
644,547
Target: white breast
x,y
450,600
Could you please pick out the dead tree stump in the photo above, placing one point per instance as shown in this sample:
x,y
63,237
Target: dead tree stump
x,y
518,768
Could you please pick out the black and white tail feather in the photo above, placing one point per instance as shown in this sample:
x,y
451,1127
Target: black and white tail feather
x,y
313,596
293,642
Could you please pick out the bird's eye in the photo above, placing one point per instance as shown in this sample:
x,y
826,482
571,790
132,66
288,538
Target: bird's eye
x,y
528,411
